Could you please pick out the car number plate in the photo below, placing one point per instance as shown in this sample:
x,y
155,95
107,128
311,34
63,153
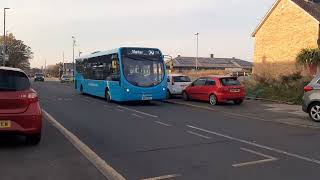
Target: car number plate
x,y
234,90
5,124
146,97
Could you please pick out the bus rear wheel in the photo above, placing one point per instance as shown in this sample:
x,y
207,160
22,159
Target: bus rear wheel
x,y
107,96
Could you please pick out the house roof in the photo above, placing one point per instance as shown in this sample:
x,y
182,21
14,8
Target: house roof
x,y
312,7
204,62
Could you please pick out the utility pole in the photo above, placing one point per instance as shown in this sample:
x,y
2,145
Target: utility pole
x,y
197,56
4,37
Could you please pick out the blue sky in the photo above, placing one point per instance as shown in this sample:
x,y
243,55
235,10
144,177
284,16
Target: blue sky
x,y
47,26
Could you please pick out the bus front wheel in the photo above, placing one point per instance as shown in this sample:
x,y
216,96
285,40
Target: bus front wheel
x,y
107,96
81,89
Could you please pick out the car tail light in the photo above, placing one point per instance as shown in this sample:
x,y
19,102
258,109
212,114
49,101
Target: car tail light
x,y
308,88
31,97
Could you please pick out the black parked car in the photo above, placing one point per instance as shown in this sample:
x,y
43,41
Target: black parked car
x,y
39,77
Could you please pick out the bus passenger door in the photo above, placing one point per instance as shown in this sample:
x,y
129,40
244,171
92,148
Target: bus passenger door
x,y
114,80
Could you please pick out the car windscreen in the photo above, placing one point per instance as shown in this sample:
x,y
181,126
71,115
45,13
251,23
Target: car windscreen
x,y
13,81
181,79
40,75
230,82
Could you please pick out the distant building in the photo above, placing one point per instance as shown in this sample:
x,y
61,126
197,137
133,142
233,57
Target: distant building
x,y
68,69
287,28
181,64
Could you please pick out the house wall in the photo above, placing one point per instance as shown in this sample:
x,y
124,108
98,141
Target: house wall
x,y
285,32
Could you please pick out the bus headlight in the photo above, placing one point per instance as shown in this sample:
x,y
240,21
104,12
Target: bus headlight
x,y
128,90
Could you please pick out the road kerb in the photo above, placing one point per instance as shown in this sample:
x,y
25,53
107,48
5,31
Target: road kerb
x,y
99,163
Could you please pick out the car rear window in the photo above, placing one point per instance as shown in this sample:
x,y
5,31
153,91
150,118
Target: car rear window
x,y
230,82
181,79
13,81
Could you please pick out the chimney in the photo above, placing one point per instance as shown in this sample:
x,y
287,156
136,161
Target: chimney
x,y
212,56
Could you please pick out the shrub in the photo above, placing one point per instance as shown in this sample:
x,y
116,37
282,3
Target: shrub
x,y
287,88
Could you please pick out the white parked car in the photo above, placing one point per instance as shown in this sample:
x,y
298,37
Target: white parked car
x,y
177,83
65,78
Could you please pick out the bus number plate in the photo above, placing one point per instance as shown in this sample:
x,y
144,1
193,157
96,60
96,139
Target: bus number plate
x,y
146,97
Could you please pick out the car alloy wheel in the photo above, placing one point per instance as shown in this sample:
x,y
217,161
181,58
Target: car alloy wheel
x,y
168,94
315,112
213,99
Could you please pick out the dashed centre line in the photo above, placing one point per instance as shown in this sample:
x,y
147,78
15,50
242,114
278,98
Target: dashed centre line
x,y
163,177
136,111
161,123
197,134
136,115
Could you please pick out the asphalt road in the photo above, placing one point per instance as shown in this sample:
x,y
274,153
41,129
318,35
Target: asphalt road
x,y
54,158
170,140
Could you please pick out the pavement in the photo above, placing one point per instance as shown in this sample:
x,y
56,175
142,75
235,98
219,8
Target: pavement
x,y
174,139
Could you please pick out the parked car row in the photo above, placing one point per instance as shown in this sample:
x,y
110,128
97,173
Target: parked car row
x,y
214,89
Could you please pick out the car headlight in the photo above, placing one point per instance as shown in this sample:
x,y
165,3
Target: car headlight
x,y
128,90
164,89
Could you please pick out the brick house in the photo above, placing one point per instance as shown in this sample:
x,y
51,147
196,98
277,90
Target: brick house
x,y
288,27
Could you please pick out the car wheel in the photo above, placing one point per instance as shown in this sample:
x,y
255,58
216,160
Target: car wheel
x,y
238,102
213,99
168,94
107,96
33,139
81,89
314,112
185,96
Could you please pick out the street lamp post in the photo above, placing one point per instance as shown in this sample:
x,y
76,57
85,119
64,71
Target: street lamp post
x,y
4,36
73,45
197,56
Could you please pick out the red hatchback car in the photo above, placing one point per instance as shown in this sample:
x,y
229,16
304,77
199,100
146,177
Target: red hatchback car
x,y
215,89
20,111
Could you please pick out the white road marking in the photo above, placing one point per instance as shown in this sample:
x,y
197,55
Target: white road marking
x,y
118,109
249,117
163,177
268,159
192,105
259,145
136,115
140,112
197,134
99,163
164,124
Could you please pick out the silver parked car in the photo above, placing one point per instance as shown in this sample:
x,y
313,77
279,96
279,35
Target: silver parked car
x,y
311,99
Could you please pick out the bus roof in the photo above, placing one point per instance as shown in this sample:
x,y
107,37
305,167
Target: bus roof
x,y
102,53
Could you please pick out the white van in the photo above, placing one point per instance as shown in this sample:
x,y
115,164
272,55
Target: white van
x,y
177,83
